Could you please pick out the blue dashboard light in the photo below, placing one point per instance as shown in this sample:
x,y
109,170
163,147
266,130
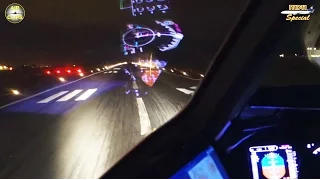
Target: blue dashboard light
x,y
205,165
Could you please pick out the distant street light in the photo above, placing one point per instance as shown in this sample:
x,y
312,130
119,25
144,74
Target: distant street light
x,y
15,92
62,79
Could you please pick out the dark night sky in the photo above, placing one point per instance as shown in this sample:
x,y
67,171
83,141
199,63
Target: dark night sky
x,y
61,31
88,31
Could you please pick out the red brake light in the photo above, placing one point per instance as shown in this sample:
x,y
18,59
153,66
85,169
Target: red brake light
x,y
48,72
58,71
68,71
79,70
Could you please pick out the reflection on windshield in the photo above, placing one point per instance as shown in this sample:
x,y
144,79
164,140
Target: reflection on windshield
x,y
102,79
166,35
150,76
145,71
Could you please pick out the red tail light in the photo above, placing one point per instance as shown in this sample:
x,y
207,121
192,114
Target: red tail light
x,y
69,71
79,70
58,71
48,72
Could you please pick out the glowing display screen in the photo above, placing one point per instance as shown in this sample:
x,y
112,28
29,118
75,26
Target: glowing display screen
x,y
273,162
142,7
204,166
165,35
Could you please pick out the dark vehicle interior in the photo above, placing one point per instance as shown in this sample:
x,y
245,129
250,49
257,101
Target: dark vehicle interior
x,y
219,134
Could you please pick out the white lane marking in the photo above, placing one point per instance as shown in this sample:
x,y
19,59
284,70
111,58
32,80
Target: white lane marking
x,y
134,85
145,126
86,95
186,91
48,90
70,95
117,68
193,87
53,97
115,71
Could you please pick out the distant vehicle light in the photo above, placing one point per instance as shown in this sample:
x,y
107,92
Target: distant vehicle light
x,y
171,70
201,75
69,71
74,65
81,74
48,72
1,67
10,68
62,79
79,70
98,69
184,73
58,71
91,71
15,92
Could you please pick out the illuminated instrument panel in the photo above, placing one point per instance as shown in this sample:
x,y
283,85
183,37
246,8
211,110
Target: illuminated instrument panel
x,y
142,7
166,35
273,162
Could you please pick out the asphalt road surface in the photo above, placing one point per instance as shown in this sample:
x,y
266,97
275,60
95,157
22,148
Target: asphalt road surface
x,y
28,82
81,129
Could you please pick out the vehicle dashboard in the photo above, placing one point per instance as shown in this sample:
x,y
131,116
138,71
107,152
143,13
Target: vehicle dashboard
x,y
282,145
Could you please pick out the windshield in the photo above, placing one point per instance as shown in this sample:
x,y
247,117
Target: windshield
x,y
292,81
82,83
